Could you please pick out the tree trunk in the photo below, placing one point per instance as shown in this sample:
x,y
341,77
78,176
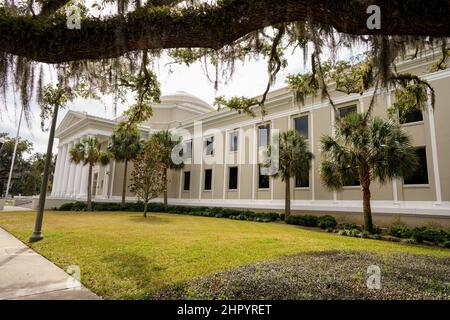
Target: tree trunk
x,y
145,209
37,235
165,189
365,184
124,186
89,195
210,28
287,198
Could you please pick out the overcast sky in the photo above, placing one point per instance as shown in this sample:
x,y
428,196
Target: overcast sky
x,y
249,80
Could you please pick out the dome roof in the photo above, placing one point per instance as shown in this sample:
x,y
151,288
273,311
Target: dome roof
x,y
184,98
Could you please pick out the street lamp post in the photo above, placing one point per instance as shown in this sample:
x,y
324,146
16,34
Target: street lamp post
x,y
37,234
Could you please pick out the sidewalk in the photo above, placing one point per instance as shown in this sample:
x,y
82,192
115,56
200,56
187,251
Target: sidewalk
x,y
16,208
24,274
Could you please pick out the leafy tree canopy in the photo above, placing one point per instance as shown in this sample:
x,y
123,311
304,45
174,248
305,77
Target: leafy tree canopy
x,y
117,40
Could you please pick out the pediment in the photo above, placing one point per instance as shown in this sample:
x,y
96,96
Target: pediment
x,y
70,119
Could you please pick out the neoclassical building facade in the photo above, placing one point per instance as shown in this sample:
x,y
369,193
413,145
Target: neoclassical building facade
x,y
223,149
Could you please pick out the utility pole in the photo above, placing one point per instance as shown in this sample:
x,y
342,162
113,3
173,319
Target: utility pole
x,y
14,154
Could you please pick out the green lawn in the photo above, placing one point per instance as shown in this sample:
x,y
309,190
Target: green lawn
x,y
123,255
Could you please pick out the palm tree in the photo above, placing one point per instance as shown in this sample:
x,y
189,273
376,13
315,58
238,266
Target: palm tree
x,y
125,146
294,161
88,152
366,149
167,142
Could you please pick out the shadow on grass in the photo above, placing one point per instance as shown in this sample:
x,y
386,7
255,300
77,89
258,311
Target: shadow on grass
x,y
335,275
151,218
138,269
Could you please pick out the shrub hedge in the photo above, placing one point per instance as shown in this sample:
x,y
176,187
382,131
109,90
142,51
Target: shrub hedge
x,y
327,221
400,231
396,232
323,222
194,211
305,220
431,235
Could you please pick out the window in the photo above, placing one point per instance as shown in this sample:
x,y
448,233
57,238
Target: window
x,y
234,140
302,126
187,181
420,176
264,134
352,183
233,178
344,111
188,147
412,116
302,182
209,144
263,180
208,179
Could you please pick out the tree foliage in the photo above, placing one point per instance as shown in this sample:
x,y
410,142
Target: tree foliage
x,y
294,161
125,146
21,166
119,40
147,180
88,152
166,142
367,150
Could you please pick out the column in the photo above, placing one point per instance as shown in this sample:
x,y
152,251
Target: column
x,y
395,179
333,133
77,180
76,175
311,139
225,163
254,161
434,153
106,175
57,172
70,173
63,171
83,181
113,173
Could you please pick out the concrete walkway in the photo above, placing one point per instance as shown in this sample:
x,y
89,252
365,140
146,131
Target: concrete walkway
x,y
16,208
26,275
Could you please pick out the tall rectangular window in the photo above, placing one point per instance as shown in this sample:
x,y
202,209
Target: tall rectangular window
x,y
263,180
345,111
187,181
234,141
420,175
302,126
351,182
209,146
208,179
264,135
412,116
188,146
302,181
233,178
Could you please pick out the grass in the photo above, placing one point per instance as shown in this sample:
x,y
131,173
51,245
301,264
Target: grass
x,y
325,275
124,256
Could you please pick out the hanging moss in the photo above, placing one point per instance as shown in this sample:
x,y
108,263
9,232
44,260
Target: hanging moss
x,y
161,26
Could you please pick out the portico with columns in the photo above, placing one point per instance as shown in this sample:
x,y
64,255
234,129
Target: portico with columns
x,y
70,179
